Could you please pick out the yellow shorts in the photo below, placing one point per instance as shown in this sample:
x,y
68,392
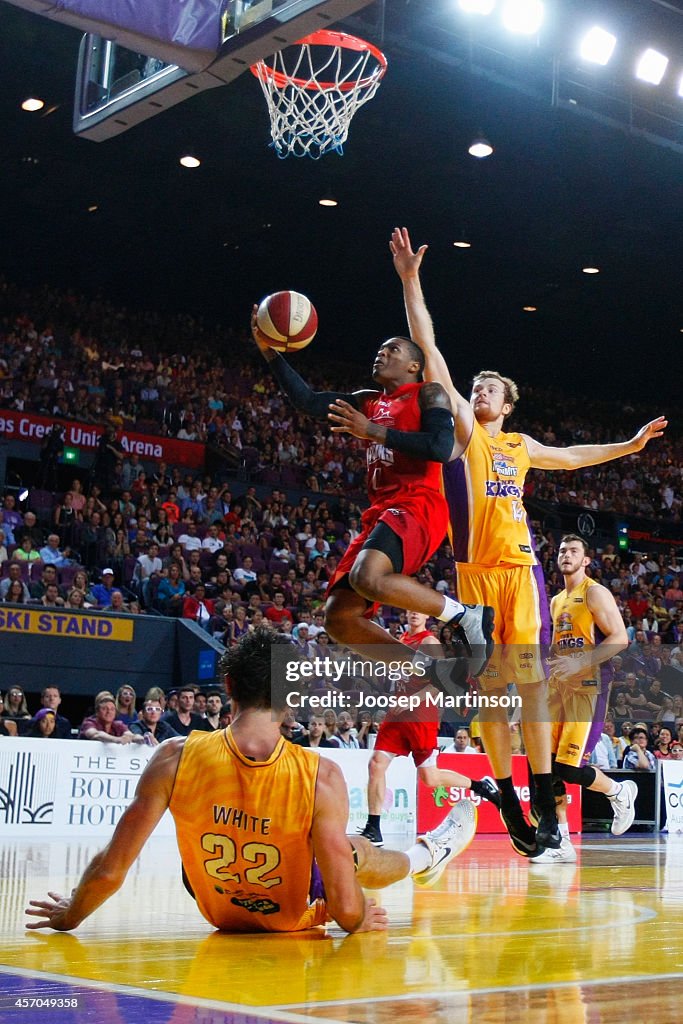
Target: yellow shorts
x,y
522,630
573,714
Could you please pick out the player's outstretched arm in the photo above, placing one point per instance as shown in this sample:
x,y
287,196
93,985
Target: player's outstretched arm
x,y
107,870
302,397
333,852
578,455
407,264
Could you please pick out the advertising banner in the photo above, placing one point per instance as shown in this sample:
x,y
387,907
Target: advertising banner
x,y
30,427
434,804
672,775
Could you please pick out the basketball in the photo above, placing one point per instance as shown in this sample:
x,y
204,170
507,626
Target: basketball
x,y
287,321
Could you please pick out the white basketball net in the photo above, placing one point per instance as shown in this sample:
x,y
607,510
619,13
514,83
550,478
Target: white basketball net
x,y
311,104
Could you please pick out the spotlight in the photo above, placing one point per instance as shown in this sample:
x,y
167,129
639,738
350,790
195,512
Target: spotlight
x,y
23,494
524,17
190,161
597,46
328,200
462,243
477,6
529,309
480,148
32,103
590,268
651,67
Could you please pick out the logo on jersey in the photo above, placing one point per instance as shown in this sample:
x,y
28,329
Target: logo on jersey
x,y
504,465
501,489
383,413
379,453
513,444
564,623
255,904
525,548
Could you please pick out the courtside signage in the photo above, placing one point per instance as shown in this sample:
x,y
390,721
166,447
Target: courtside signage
x,y
74,627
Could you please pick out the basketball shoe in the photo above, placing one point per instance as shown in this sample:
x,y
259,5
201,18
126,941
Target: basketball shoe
x,y
473,627
624,804
372,834
521,834
564,854
453,836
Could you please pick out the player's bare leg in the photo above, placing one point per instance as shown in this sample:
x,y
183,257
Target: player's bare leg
x,y
537,740
373,577
377,788
425,860
434,776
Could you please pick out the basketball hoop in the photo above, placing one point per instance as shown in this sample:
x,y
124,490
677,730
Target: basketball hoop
x,y
311,105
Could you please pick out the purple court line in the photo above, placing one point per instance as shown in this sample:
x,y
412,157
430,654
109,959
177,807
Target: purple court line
x,y
112,1004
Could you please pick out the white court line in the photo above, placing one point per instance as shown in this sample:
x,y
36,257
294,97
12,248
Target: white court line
x,y
265,1012
539,986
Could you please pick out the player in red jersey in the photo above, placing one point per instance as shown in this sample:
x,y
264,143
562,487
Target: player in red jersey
x,y
413,732
409,427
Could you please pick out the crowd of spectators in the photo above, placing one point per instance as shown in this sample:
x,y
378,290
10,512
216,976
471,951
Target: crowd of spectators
x,y
147,538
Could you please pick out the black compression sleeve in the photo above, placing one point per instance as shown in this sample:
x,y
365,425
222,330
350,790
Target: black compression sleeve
x,y
315,403
432,444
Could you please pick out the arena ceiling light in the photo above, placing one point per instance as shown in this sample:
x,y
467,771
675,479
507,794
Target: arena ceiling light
x,y
590,268
477,6
523,17
597,46
651,67
32,103
480,148
328,200
190,161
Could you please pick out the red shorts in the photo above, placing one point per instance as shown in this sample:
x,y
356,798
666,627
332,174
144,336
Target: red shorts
x,y
418,517
403,738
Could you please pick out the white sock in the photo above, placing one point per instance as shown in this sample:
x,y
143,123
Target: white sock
x,y
564,830
420,858
615,790
450,609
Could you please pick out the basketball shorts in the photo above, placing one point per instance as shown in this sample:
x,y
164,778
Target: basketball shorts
x,y
418,518
522,630
400,739
577,716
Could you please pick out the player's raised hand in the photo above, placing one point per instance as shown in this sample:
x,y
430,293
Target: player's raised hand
x,y
406,261
52,913
256,335
655,428
346,419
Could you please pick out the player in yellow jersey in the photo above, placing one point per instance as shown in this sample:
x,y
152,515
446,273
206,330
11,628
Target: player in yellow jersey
x,y
260,825
588,631
494,554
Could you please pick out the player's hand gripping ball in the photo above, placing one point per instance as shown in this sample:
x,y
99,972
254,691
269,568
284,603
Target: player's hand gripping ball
x,y
286,321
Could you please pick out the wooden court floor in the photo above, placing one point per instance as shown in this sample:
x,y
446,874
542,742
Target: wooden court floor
x,y
496,941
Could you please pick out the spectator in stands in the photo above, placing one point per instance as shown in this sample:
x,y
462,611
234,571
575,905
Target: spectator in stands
x,y
245,573
14,706
102,591
14,576
676,750
25,551
52,598
148,565
51,554
638,757
125,704
278,611
189,541
198,607
15,592
214,703
150,725
461,743
43,725
10,516
184,720
103,726
171,591
51,698
662,747
316,734
239,626
345,737
212,541
48,578
3,549
80,582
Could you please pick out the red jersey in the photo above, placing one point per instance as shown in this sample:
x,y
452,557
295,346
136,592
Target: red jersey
x,y
390,472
